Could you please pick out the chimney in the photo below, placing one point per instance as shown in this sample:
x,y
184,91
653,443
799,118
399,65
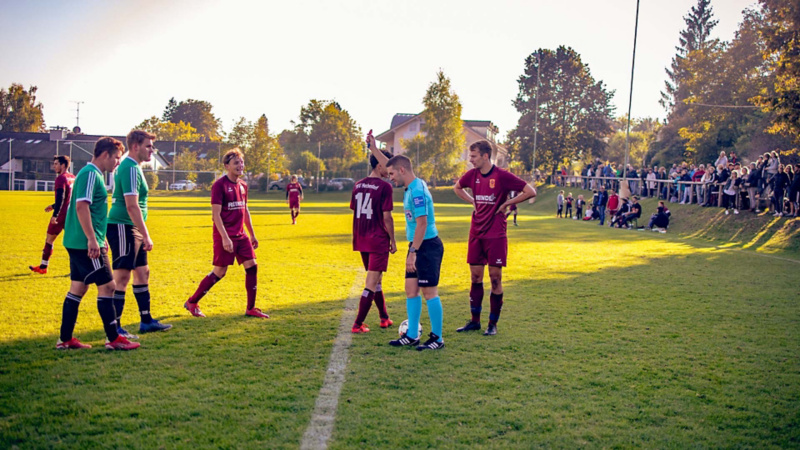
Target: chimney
x,y
57,134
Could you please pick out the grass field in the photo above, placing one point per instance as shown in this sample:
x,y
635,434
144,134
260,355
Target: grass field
x,y
608,338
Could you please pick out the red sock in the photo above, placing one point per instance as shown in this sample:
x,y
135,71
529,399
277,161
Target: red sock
x,y
251,284
380,303
363,306
47,251
496,306
205,285
475,301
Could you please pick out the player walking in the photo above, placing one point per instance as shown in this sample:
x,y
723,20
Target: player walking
x,y
373,236
63,188
294,195
85,241
230,214
128,235
488,243
425,251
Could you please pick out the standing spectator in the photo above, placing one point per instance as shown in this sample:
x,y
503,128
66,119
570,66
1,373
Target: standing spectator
x,y
579,204
642,181
794,191
595,200
729,201
662,177
732,158
613,202
697,177
651,182
602,201
762,174
672,171
584,174
560,203
590,174
781,182
686,188
722,160
708,187
751,184
772,169
568,213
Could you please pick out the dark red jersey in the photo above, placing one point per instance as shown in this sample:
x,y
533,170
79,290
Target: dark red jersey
x,y
63,182
490,191
294,191
371,198
233,198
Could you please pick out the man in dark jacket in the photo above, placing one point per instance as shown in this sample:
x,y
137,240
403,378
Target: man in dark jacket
x,y
602,201
751,183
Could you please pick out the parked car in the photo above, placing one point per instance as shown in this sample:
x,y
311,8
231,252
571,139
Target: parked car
x,y
182,185
338,184
281,184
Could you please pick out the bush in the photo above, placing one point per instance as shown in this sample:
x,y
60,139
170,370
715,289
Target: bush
x,y
152,179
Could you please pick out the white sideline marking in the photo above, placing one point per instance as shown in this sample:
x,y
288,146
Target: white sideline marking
x,y
320,428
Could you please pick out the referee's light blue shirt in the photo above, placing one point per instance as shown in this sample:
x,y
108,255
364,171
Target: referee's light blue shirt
x,y
417,202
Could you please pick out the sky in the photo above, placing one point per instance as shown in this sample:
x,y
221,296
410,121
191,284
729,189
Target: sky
x,y
125,59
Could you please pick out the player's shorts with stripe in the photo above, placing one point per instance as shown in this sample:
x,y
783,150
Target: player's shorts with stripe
x,y
242,251
492,251
89,270
377,262
57,228
126,244
429,262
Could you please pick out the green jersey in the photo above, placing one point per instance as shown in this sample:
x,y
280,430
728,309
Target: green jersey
x,y
88,187
128,180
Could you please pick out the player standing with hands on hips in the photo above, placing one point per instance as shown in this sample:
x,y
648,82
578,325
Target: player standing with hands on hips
x,y
488,242
425,251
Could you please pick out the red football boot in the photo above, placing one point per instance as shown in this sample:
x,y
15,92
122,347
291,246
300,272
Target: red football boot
x,y
72,344
194,309
120,343
360,329
37,269
386,323
255,312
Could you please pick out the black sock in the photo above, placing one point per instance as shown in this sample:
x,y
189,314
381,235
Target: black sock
x,y
119,305
105,306
69,315
142,294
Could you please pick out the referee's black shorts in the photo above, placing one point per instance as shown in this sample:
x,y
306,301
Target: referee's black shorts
x,y
429,262
126,246
89,270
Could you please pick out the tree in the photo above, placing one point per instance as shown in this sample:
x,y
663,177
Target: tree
x,y
781,32
307,162
327,123
198,114
169,111
262,152
699,24
575,112
19,110
168,131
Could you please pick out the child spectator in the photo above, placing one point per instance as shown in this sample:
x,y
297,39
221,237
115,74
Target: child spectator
x,y
560,203
568,213
579,207
613,203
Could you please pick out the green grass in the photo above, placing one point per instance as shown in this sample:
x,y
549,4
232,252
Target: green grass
x,y
609,338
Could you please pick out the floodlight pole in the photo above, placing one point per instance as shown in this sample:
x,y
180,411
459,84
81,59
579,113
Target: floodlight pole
x,y
319,162
630,97
536,109
10,173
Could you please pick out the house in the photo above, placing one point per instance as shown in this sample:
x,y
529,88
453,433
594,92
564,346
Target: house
x,y
406,126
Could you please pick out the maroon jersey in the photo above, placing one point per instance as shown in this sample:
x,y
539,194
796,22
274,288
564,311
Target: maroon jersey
x,y
294,191
490,191
233,198
371,198
63,181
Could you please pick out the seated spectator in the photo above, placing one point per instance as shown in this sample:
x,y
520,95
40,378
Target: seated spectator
x,y
624,208
635,213
660,219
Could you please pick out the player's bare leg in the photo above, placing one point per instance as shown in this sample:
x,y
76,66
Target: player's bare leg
x,y
495,299
46,253
475,298
251,285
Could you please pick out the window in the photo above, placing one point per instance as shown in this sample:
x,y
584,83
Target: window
x,y
19,185
45,185
27,165
412,127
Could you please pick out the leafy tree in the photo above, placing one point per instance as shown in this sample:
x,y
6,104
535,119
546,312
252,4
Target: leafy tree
x,y
327,123
262,152
307,162
442,140
19,110
198,114
169,111
168,131
575,112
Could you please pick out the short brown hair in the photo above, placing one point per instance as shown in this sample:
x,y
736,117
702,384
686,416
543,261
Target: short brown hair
x,y
232,153
138,136
483,147
62,159
107,145
399,161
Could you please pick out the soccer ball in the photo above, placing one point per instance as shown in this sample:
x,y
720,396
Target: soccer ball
x,y
404,327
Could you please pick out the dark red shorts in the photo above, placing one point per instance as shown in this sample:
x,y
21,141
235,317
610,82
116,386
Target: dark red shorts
x,y
512,207
377,262
294,204
56,229
492,252
242,251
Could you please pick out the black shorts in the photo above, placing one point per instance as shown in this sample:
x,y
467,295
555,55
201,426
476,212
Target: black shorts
x,y
87,270
126,246
429,262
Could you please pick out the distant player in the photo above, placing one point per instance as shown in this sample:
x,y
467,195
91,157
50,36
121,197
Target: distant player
x,y
128,235
513,208
63,188
294,195
425,251
373,236
488,244
85,241
230,214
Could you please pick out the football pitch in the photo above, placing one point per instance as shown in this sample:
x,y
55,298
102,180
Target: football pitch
x,y
608,338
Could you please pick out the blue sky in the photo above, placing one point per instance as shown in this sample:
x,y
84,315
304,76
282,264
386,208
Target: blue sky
x,y
125,59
